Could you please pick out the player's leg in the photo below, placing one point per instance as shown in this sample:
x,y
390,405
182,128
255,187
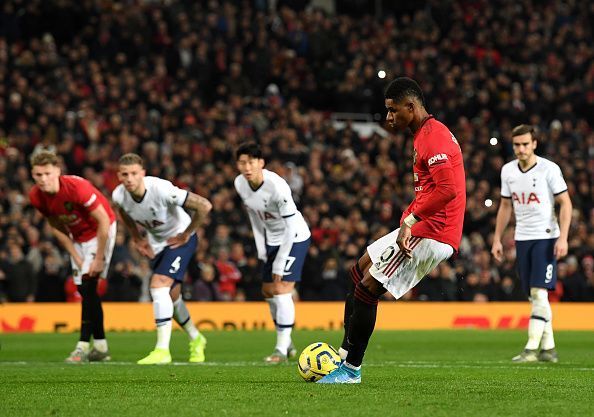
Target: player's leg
x,y
548,353
182,317
356,275
81,350
163,313
389,270
280,299
537,267
100,350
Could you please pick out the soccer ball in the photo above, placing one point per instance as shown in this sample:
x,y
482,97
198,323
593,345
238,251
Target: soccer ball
x,y
317,360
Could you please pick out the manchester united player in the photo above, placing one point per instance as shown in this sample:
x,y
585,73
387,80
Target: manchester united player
x,y
530,186
430,228
83,222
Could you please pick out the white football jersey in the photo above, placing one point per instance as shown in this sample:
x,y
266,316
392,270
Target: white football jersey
x,y
160,211
268,205
533,197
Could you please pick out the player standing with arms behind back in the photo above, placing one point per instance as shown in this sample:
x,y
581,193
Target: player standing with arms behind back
x,y
530,186
429,233
282,240
83,222
156,205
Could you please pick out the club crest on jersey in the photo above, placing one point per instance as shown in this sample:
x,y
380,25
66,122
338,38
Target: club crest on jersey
x,y
524,198
440,157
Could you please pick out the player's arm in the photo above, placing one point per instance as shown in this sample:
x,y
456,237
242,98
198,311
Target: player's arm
x,y
258,232
64,240
442,174
102,219
565,209
503,215
141,244
201,207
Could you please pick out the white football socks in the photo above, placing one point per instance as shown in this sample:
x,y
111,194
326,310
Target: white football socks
x,y
540,315
285,320
182,317
272,306
100,345
163,311
84,346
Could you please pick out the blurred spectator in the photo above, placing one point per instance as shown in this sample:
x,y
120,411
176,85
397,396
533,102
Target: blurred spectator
x,y
20,281
183,83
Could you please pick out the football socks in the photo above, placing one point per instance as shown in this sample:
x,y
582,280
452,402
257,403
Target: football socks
x,y
182,317
163,311
540,315
285,320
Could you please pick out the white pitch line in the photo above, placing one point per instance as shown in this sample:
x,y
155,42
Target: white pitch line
x,y
407,364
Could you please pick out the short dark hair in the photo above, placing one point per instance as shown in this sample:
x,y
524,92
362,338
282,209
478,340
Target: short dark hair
x,y
403,87
251,149
523,129
42,158
131,159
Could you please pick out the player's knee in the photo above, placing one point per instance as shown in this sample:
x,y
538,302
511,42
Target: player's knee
x,y
88,288
283,287
368,290
159,281
356,274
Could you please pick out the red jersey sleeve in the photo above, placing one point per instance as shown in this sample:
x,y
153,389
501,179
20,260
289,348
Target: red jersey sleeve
x,y
86,195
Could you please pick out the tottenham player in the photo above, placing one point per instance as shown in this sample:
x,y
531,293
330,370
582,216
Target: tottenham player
x,y
430,228
530,186
83,222
282,240
158,206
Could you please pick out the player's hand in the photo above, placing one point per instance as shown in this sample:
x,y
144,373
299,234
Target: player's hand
x,y
78,262
497,251
96,267
179,240
403,240
560,249
277,278
144,248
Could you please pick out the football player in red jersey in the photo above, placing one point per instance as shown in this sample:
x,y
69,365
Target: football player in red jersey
x,y
430,228
83,222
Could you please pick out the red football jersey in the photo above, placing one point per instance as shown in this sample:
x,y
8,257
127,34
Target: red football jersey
x,y
438,173
72,206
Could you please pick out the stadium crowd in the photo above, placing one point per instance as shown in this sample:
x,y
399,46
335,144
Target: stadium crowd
x,y
184,84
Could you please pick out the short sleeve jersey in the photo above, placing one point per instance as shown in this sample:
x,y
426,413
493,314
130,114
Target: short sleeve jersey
x,y
159,211
533,197
72,205
272,202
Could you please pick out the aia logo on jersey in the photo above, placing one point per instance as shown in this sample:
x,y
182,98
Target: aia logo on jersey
x,y
68,205
525,198
439,158
264,215
149,224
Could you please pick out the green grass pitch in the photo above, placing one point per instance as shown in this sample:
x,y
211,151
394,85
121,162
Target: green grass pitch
x,y
412,373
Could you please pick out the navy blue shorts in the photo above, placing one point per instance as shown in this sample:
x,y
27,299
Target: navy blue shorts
x,y
294,264
174,262
536,262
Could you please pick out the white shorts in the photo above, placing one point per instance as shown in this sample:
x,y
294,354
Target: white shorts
x,y
87,251
398,273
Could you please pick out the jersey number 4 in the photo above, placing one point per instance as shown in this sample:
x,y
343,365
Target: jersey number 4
x,y
175,265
